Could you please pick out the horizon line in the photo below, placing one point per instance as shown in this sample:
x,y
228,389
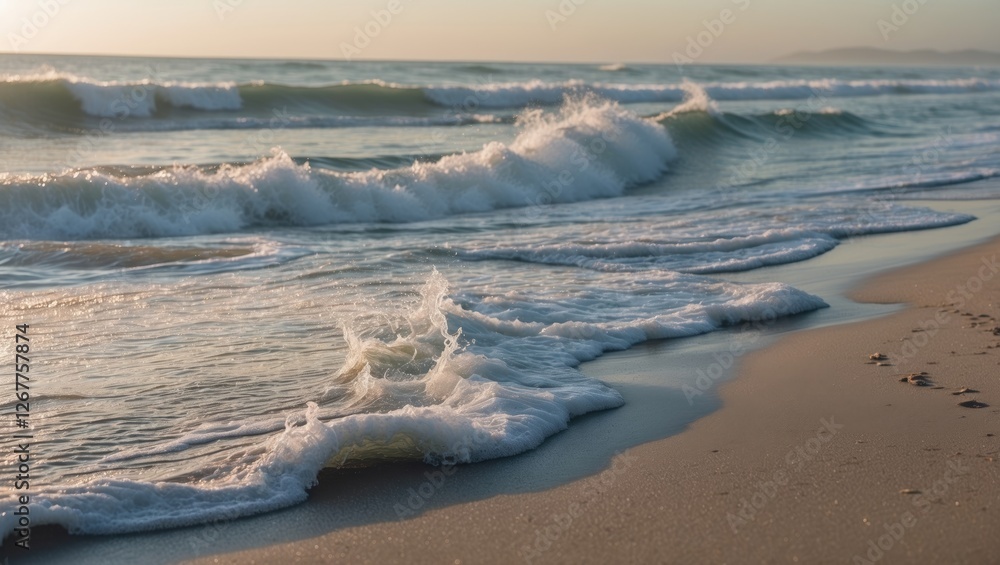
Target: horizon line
x,y
776,61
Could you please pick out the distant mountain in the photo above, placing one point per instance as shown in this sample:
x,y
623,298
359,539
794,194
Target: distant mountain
x,y
885,57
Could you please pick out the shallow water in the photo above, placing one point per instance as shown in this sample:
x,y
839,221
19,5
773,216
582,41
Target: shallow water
x,y
239,272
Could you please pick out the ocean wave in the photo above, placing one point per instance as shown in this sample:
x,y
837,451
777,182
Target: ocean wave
x,y
614,68
438,385
694,123
95,255
482,69
516,95
589,149
29,264
905,184
696,100
34,97
718,255
742,244
284,121
698,119
67,94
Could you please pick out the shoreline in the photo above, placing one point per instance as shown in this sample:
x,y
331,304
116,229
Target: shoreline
x,y
817,456
669,494
250,328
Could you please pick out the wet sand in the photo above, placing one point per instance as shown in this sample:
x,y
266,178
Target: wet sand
x,y
819,454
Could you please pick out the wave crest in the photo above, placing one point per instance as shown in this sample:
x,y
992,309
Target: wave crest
x,y
71,95
588,149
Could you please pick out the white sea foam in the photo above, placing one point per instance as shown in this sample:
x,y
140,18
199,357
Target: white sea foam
x,y
723,254
306,122
613,67
446,391
515,95
733,241
139,100
696,99
589,149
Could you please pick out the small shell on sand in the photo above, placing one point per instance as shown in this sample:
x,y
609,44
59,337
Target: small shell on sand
x,y
909,491
878,357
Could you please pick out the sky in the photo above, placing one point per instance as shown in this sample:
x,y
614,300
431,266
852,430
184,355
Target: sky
x,y
705,31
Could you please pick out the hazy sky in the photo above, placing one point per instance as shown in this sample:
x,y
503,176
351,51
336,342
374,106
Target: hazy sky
x,y
509,30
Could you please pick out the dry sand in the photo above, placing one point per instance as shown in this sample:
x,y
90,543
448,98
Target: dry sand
x,y
817,456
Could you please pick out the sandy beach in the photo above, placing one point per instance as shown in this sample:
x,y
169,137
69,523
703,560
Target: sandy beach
x,y
806,450
818,455
396,282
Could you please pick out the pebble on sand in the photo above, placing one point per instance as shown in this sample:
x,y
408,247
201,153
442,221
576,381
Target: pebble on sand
x,y
973,404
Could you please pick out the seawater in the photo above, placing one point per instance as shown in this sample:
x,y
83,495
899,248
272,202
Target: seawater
x,y
237,273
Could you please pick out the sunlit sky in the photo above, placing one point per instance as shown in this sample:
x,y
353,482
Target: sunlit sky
x,y
509,30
